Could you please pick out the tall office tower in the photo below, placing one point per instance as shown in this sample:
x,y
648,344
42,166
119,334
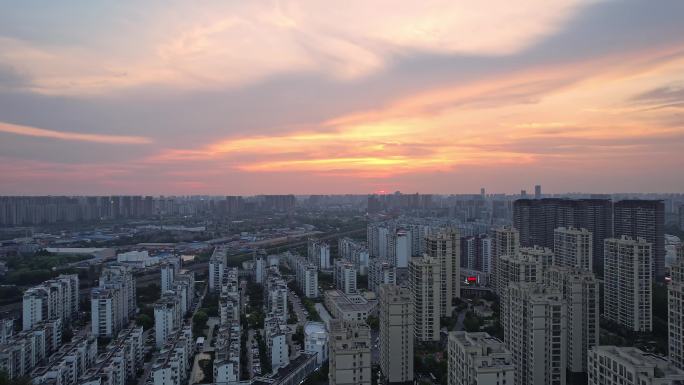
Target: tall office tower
x,y
168,272
537,192
217,268
445,246
381,272
612,365
581,293
396,334
645,219
345,276
573,248
318,253
535,332
425,285
675,300
536,219
482,193
350,353
628,283
479,359
505,241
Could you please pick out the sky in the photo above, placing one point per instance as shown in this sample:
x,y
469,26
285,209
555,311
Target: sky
x,y
313,97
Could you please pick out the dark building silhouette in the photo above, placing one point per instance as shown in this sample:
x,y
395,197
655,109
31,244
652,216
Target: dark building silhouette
x,y
536,219
646,219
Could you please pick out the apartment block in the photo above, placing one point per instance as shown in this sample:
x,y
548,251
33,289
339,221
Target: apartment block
x,y
445,247
612,365
479,359
628,283
573,247
396,334
350,353
425,286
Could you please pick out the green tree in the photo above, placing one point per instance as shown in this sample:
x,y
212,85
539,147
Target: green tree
x,y
199,322
144,320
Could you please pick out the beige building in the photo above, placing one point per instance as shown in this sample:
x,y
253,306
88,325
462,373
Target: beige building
x,y
506,241
581,293
396,334
675,298
350,353
535,333
612,365
573,248
628,283
445,246
424,282
351,307
479,359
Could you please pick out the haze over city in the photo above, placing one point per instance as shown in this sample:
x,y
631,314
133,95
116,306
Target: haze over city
x,y
301,97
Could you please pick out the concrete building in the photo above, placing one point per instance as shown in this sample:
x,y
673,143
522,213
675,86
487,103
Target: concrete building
x,y
350,353
137,259
351,307
113,303
275,334
612,365
354,252
381,272
345,276
581,293
425,286
505,241
226,365
643,219
28,349
172,364
573,248
478,359
535,331
445,246
399,248
168,317
396,334
319,254
628,283
217,268
168,272
316,341
53,299
306,275
259,269
121,361
675,300
518,268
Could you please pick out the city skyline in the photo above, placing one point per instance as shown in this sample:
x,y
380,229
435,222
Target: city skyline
x,y
296,97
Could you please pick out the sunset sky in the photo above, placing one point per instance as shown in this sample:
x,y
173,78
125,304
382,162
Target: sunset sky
x,y
310,96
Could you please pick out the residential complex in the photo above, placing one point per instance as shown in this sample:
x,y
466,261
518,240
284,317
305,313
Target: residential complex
x,y
478,359
396,334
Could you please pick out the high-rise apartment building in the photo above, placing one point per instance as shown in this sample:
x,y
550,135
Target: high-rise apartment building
x,y
53,299
217,268
478,359
350,353
644,219
167,317
380,272
573,248
628,283
612,365
445,247
345,276
535,333
168,272
396,334
505,241
581,293
318,253
425,285
113,303
675,300
537,219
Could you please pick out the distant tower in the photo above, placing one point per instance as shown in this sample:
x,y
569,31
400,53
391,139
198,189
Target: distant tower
x,y
537,191
482,192
523,194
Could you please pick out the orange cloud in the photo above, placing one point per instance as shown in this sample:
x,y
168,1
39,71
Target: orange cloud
x,y
72,136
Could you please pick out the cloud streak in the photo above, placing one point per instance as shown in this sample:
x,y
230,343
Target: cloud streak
x,y
71,136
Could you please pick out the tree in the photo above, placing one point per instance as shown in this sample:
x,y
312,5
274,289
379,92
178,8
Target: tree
x,y
472,322
373,322
199,322
144,320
